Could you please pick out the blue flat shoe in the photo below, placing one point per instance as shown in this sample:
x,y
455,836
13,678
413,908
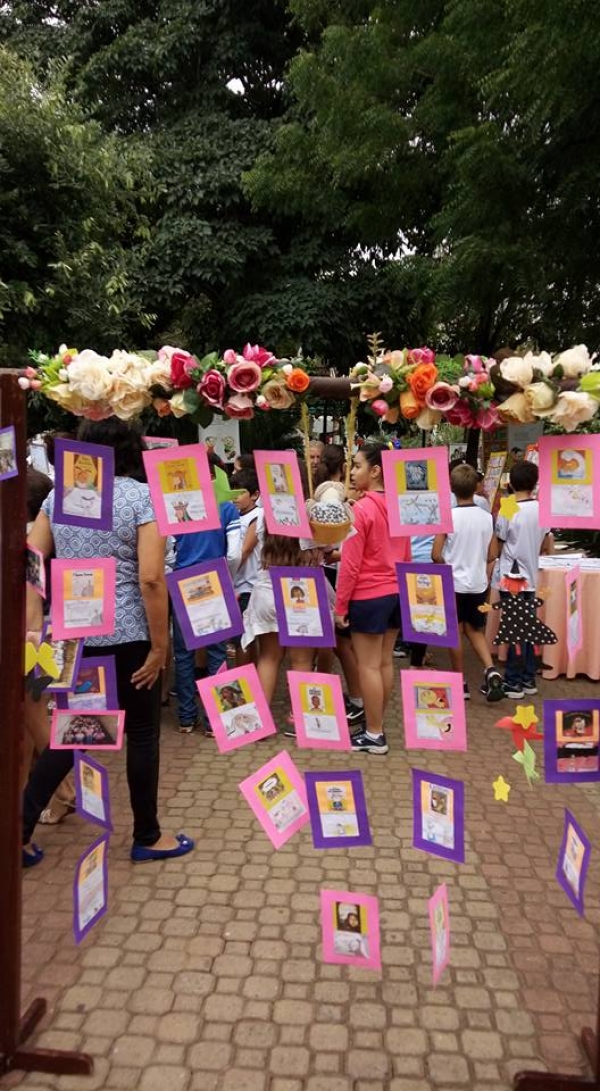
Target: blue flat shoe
x,y
141,853
30,859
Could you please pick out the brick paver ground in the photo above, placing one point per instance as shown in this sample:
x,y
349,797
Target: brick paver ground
x,y
206,973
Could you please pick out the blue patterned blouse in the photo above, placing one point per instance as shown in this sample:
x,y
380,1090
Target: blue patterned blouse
x,y
132,507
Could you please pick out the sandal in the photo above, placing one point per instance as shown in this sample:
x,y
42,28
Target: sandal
x,y
49,817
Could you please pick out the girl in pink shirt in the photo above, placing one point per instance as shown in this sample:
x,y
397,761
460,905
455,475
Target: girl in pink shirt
x,y
367,594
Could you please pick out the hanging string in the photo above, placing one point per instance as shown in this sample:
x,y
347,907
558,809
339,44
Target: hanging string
x,y
305,421
350,434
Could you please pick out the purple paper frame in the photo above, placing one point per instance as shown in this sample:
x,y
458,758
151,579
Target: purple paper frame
x,y
78,932
94,450
56,686
321,840
552,775
10,473
82,758
576,899
219,565
410,634
110,674
327,640
457,854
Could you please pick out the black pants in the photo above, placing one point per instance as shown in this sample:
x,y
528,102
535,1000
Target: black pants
x,y
142,728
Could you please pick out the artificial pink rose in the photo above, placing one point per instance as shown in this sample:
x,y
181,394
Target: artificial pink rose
x,y
258,355
385,384
244,377
460,414
212,388
240,407
229,356
380,407
180,370
441,396
487,419
474,363
421,356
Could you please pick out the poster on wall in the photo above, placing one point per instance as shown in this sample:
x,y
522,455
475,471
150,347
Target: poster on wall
x,y
222,437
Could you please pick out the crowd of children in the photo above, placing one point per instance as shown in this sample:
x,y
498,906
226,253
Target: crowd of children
x,y
363,586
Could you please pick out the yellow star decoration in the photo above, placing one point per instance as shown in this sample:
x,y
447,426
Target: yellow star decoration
x,y
509,507
525,717
501,789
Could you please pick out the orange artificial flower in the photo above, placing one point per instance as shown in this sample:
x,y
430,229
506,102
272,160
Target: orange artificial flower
x,y
421,380
297,380
409,406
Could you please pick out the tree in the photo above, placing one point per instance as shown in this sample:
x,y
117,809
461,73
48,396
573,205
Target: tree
x,y
68,215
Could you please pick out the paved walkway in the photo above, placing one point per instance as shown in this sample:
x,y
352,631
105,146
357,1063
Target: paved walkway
x,y
205,975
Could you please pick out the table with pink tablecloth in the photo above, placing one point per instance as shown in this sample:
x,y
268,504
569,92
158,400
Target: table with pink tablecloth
x,y
554,614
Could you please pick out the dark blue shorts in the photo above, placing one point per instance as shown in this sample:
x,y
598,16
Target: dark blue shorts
x,y
374,615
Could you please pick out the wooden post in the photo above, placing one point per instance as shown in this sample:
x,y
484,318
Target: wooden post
x,y
14,1030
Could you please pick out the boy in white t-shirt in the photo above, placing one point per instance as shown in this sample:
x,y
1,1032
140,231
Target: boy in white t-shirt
x,y
468,550
252,523
522,539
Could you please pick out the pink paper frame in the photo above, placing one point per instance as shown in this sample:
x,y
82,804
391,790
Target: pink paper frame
x,y
58,569
197,452
548,517
224,678
573,581
59,714
262,459
390,461
298,678
440,959
456,739
368,902
281,762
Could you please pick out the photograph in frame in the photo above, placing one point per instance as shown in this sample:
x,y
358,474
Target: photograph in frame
x,y
338,809
83,597
84,477
8,453
571,741
427,604
73,730
433,706
439,928
281,493
438,815
304,615
181,489
350,929
417,491
95,686
236,707
569,483
91,790
318,710
67,655
277,795
204,600
573,862
35,570
90,887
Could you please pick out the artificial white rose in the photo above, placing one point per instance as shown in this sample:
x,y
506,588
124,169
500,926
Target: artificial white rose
x,y
428,418
129,397
90,376
158,373
176,403
517,370
574,362
572,408
542,362
540,397
516,410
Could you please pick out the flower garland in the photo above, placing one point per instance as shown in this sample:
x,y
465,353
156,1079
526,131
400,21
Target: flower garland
x,y
412,384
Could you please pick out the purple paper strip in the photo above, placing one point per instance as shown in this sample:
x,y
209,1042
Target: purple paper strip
x,y
573,861
571,741
104,519
300,578
8,454
88,910
80,701
447,613
93,806
339,809
439,815
234,625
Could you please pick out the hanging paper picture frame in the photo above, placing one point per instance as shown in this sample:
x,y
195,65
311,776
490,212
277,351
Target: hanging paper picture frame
x,y
181,489
427,604
236,707
83,484
304,615
569,485
205,603
281,493
417,491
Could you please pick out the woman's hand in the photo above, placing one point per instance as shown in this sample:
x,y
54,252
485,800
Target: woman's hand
x,y
341,622
150,669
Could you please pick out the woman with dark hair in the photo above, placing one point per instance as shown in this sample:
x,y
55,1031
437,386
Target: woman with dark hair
x,y
367,594
138,644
